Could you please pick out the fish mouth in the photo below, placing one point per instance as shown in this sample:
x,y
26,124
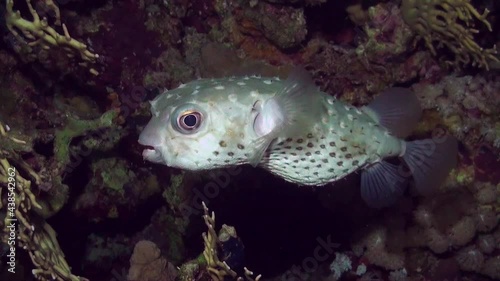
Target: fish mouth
x,y
148,147
152,154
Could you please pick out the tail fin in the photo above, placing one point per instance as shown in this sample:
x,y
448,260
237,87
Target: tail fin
x,y
430,161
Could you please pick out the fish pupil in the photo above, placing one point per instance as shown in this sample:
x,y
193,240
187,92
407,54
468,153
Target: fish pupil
x,y
190,120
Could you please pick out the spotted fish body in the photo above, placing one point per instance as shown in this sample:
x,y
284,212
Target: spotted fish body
x,y
345,140
295,131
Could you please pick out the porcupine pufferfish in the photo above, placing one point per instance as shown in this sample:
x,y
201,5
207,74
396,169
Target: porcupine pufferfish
x,y
297,132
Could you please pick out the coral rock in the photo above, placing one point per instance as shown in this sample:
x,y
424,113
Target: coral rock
x,y
470,259
486,243
463,231
486,220
146,264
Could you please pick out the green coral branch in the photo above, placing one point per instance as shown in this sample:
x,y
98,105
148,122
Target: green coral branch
x,y
75,128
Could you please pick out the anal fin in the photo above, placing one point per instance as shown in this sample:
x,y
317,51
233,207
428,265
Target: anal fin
x,y
382,184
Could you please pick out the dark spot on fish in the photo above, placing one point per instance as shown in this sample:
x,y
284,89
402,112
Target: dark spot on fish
x,y
222,144
240,146
322,146
309,135
216,153
315,173
348,155
283,152
355,162
288,147
209,159
322,137
345,171
317,152
294,166
331,170
286,158
289,139
246,154
332,143
277,149
293,154
332,154
300,141
299,148
295,161
344,149
310,144
340,163
226,161
343,139
313,161
306,168
318,166
325,160
302,159
230,153
308,153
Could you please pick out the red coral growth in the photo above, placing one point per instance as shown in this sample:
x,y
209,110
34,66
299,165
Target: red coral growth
x,y
487,164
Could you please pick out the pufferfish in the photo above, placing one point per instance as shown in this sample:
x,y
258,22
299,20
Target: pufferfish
x,y
297,132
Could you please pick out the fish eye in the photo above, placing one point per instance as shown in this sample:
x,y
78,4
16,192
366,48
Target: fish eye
x,y
188,118
189,121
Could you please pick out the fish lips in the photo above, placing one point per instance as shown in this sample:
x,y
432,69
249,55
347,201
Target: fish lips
x,y
152,154
152,151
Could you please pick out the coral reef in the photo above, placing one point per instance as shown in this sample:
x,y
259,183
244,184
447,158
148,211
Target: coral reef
x,y
22,230
441,21
147,264
72,106
466,103
218,269
40,33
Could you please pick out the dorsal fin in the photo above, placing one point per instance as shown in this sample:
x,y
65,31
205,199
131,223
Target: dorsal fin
x,y
397,109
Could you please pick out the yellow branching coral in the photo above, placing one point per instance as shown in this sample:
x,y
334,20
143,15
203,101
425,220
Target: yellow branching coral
x,y
450,24
218,269
18,227
38,32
